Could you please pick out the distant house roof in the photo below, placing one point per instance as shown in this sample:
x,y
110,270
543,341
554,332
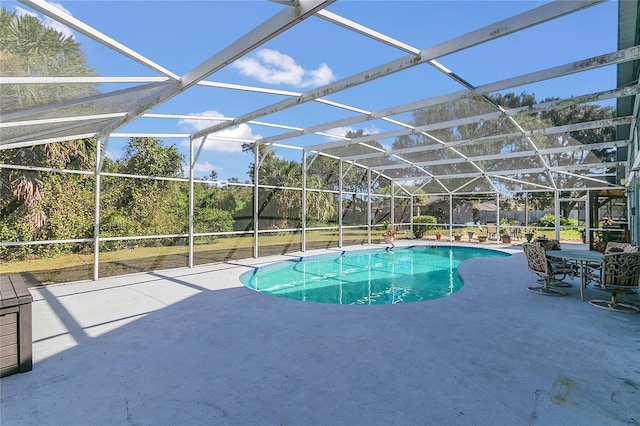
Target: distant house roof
x,y
487,206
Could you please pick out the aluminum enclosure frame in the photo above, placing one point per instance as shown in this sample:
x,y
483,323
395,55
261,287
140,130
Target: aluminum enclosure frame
x,y
161,89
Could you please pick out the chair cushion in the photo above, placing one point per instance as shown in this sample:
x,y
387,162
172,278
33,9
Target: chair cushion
x,y
613,247
548,244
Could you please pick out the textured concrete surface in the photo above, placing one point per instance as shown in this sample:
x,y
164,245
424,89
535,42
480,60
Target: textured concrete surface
x,y
193,346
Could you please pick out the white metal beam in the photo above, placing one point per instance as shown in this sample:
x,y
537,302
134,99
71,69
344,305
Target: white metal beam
x,y
274,26
368,32
614,58
80,80
536,170
499,29
61,16
543,131
271,28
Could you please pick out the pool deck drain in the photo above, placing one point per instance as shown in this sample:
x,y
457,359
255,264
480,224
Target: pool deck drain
x,y
194,346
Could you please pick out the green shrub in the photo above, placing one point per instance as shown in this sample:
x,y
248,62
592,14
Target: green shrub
x,y
422,224
12,253
549,221
211,219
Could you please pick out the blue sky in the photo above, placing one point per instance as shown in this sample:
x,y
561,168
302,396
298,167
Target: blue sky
x,y
179,35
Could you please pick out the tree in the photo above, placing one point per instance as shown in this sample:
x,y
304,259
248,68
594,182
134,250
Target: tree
x,y
149,157
476,144
577,114
581,113
460,109
321,206
279,207
354,179
29,48
215,207
144,206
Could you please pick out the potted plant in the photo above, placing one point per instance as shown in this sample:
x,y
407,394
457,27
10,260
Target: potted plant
x,y
438,234
602,239
456,235
528,234
389,234
505,237
483,234
583,235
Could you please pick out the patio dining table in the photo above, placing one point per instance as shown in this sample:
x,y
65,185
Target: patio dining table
x,y
582,258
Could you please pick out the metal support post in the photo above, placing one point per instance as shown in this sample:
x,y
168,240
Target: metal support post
x,y
304,200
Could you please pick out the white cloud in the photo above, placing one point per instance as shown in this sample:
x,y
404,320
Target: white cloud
x,y
48,22
271,66
204,168
113,156
201,169
196,123
342,131
221,141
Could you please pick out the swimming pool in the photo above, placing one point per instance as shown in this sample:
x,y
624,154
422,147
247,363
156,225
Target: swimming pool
x,y
368,277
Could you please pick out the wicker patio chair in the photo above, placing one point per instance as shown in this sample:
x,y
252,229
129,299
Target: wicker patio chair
x,y
620,272
594,270
561,268
538,263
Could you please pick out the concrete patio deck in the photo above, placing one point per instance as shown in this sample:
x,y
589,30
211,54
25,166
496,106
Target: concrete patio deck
x,y
193,346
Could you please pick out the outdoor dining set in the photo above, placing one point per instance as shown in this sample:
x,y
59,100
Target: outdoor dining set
x,y
616,271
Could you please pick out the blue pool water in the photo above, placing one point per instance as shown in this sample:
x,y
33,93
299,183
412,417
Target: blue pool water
x,y
369,277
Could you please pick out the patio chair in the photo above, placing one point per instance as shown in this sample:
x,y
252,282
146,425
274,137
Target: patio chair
x,y
516,231
620,272
538,263
548,244
561,268
594,270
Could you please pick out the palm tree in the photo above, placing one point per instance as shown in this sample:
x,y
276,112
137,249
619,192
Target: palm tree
x,y
30,48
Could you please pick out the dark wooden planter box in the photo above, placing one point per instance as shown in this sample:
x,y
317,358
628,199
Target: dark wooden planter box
x,y
15,326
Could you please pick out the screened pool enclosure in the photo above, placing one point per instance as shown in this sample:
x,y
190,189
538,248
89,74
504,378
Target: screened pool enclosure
x,y
146,135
